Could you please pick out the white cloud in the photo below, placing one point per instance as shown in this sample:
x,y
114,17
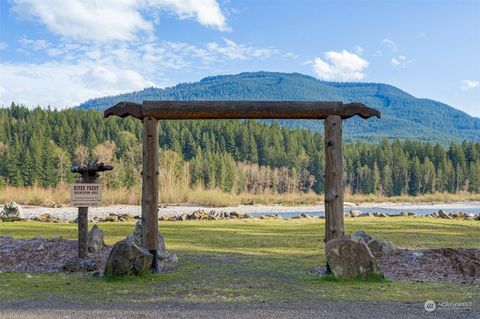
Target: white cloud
x,y
390,44
401,61
108,20
206,12
3,45
86,20
95,70
469,84
290,55
35,45
422,35
340,66
38,84
232,51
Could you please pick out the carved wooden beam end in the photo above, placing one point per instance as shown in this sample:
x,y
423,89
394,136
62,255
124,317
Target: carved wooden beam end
x,y
359,109
124,109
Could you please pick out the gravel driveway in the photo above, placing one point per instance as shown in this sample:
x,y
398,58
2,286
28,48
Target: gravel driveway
x,y
318,309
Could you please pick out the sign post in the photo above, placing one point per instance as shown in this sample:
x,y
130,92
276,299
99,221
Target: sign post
x,y
84,195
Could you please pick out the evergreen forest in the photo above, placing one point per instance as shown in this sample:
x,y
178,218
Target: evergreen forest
x,y
38,147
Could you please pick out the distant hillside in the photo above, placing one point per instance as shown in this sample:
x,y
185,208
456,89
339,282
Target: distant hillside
x,y
403,115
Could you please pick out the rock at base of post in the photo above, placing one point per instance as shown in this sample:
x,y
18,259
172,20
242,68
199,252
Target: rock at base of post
x,y
127,258
95,240
79,264
137,236
350,258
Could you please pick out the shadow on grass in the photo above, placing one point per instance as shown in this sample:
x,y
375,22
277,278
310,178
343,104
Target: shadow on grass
x,y
371,279
145,276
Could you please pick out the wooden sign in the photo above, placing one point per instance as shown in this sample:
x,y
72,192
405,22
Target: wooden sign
x,y
85,195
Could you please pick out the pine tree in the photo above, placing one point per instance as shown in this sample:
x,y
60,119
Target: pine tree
x,y
387,184
414,181
376,182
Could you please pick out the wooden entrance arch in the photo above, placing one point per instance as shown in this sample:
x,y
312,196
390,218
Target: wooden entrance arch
x,y
331,112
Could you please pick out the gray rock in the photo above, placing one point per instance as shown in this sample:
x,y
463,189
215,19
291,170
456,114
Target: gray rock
x,y
137,233
379,247
363,235
11,212
350,258
46,218
416,254
355,213
78,265
459,215
111,218
172,258
95,240
127,258
89,264
444,215
137,236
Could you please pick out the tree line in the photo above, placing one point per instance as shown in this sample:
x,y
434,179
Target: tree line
x,y
38,147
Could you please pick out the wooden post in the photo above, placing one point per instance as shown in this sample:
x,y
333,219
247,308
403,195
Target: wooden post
x,y
333,178
82,223
150,187
89,174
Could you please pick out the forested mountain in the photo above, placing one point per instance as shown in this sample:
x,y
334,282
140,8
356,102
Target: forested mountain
x,y
37,147
403,115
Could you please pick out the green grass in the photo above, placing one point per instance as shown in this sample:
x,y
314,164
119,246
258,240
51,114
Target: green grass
x,y
247,260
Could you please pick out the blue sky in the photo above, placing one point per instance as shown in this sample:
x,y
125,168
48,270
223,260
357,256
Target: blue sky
x,y
62,52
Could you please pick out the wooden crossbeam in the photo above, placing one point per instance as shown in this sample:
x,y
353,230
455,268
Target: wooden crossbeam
x,y
205,110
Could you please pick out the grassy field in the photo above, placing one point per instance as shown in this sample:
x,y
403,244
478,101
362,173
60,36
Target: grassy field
x,y
214,198
247,260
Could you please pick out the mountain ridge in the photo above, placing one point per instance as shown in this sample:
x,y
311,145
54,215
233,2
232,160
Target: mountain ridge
x,y
403,115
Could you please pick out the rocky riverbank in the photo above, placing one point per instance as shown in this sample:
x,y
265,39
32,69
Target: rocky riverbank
x,y
13,212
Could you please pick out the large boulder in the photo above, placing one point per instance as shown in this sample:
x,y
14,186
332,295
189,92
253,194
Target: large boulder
x,y
137,236
366,237
127,258
11,212
349,258
95,240
380,247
